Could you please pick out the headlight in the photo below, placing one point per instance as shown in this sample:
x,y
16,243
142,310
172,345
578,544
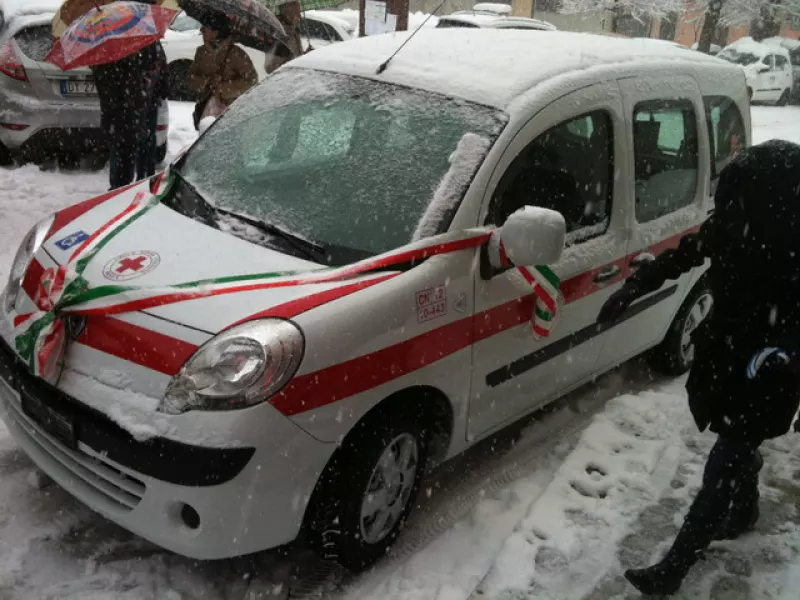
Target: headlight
x,y
240,367
29,247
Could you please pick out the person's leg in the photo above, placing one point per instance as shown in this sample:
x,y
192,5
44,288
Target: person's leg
x,y
743,513
146,159
729,464
123,158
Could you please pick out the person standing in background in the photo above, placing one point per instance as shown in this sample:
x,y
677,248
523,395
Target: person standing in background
x,y
220,72
289,14
158,91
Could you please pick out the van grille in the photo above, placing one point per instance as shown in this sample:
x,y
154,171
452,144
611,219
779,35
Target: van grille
x,y
110,486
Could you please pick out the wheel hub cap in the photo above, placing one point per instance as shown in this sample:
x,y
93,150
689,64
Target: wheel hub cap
x,y
389,490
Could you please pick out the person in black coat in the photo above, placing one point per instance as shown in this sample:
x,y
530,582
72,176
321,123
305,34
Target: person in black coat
x,y
745,382
128,90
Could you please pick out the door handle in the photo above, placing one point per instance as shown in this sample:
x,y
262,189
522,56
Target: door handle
x,y
642,259
607,273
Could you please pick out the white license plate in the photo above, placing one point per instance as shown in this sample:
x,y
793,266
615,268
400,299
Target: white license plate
x,y
76,87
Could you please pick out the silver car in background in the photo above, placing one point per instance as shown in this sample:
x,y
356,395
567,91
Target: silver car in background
x,y
46,112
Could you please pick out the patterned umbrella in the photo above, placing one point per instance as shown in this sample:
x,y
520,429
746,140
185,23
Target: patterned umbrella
x,y
109,33
72,9
251,23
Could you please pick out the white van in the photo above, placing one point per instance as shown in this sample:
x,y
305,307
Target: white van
x,y
364,282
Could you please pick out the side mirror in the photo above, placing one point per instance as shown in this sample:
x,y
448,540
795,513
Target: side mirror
x,y
531,236
763,68
205,124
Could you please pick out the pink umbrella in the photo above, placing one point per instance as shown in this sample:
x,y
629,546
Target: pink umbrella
x,y
109,33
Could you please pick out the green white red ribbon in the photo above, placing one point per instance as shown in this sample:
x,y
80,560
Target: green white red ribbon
x,y
40,336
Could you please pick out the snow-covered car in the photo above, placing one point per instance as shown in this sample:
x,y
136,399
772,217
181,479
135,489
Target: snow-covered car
x,y
768,69
257,343
43,107
793,46
318,28
477,19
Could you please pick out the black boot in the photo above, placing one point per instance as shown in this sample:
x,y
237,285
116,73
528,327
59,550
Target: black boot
x,y
733,528
663,578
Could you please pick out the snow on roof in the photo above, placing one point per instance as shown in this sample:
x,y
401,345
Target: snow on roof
x,y
782,42
487,66
748,45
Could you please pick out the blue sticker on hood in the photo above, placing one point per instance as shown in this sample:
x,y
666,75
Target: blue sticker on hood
x,y
72,240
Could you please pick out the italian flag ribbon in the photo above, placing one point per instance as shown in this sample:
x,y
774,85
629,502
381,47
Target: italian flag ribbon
x,y
40,336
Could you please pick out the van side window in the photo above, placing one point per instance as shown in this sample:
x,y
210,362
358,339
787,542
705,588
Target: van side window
x,y
569,168
666,157
726,131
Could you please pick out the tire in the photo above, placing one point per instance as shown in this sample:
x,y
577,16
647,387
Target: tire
x,y
161,154
346,509
675,355
178,89
784,99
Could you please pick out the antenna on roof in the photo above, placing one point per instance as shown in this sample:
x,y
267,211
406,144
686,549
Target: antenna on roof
x,y
385,64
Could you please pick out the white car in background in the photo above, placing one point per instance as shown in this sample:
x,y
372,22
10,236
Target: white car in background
x,y
318,28
492,16
793,46
768,69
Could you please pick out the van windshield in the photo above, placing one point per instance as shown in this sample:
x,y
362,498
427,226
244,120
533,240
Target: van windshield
x,y
341,161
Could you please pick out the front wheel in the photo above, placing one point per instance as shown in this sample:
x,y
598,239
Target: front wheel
x,y
784,99
366,493
675,355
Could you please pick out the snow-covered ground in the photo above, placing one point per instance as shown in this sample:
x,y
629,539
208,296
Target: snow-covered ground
x,y
555,510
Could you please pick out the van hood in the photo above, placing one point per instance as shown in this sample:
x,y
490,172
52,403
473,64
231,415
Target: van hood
x,y
162,248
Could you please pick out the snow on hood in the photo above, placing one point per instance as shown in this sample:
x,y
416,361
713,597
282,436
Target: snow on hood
x,y
183,250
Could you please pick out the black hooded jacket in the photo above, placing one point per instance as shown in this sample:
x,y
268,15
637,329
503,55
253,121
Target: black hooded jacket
x,y
753,242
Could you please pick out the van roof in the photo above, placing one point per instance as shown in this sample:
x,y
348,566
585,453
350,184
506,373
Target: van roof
x,y
489,66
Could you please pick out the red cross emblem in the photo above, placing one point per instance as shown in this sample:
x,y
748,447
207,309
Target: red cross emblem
x,y
131,265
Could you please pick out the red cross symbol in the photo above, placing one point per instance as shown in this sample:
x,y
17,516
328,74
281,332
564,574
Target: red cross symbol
x,y
131,264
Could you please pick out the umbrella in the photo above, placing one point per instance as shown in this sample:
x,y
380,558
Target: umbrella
x,y
72,9
251,23
109,33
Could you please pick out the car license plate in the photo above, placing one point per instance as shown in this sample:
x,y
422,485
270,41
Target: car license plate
x,y
59,424
77,87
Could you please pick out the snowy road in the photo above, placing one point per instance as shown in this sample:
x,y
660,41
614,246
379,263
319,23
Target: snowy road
x,y
555,510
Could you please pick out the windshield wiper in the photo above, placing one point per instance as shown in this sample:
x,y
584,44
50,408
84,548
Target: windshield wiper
x,y
308,249
313,251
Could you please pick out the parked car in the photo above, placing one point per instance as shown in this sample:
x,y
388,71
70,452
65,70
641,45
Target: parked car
x,y
43,108
793,46
318,29
768,69
491,20
344,334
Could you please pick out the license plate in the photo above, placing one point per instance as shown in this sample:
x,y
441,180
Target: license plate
x,y
77,87
61,425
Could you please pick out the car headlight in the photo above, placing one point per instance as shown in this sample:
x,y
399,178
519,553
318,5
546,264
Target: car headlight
x,y
240,367
27,249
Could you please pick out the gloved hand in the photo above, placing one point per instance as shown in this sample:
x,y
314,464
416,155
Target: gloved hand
x,y
768,360
618,303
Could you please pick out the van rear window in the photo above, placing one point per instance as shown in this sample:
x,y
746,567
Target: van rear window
x,y
35,42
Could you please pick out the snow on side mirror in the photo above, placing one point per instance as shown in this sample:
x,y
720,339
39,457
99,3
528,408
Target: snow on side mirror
x,y
531,236
205,124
